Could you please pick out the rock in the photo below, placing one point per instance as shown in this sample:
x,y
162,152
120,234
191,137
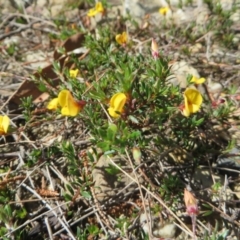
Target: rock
x,y
138,8
235,17
230,160
180,71
236,189
108,185
226,5
195,48
160,229
215,88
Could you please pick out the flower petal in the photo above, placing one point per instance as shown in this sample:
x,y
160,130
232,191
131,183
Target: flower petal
x,y
97,9
72,110
53,104
112,112
192,101
73,73
117,103
70,106
164,10
197,80
92,12
4,124
63,98
122,38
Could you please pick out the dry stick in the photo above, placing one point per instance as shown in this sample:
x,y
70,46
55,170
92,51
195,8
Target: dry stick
x,y
76,221
218,210
18,30
99,220
226,183
156,197
102,214
29,16
208,43
50,208
48,228
30,175
148,216
31,200
97,205
36,218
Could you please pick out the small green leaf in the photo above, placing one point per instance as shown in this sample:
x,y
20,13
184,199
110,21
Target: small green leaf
x,y
21,213
105,146
111,132
207,213
111,169
86,195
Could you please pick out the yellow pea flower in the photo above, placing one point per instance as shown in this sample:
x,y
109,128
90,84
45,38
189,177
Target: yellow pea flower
x,y
70,106
97,9
122,38
73,73
117,103
164,10
4,124
197,80
192,101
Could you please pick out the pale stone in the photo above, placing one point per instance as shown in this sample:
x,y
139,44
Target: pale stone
x,y
195,48
139,8
160,229
226,5
11,40
201,14
180,71
108,185
214,87
235,17
236,189
37,59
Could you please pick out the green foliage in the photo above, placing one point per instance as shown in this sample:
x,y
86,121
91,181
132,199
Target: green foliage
x,y
11,49
215,234
111,169
27,105
168,188
92,230
151,118
34,157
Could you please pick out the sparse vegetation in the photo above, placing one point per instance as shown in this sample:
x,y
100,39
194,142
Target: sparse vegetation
x,y
104,142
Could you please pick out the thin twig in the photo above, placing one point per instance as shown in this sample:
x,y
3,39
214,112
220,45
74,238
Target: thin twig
x,y
154,195
24,27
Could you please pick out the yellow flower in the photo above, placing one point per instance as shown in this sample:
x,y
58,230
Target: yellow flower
x,y
197,80
73,73
192,101
53,104
70,106
97,9
117,103
122,38
164,10
4,124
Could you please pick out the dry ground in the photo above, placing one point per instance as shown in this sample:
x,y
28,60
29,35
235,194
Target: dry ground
x,y
40,197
